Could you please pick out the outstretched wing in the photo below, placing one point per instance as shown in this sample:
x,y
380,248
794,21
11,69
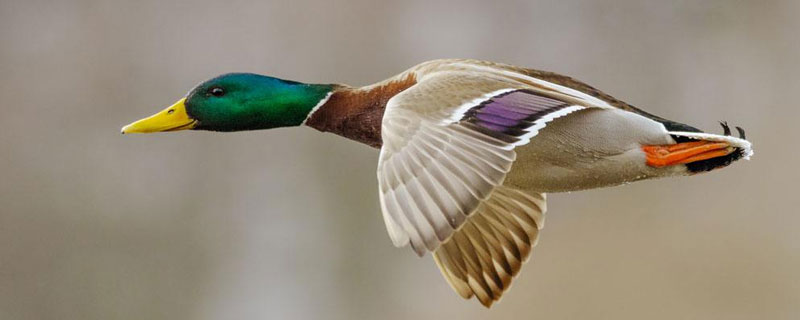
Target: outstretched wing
x,y
448,143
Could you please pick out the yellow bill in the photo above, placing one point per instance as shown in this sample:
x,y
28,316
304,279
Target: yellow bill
x,y
173,118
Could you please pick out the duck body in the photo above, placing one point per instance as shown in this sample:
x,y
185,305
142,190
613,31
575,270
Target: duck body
x,y
593,148
468,150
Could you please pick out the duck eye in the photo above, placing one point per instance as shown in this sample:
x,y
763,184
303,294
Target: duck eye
x,y
216,91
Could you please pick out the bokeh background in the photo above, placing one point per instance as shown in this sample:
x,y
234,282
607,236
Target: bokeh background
x,y
285,224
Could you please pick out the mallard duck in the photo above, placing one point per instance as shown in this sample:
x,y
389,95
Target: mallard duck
x,y
468,150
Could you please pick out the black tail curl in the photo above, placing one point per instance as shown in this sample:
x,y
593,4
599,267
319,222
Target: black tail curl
x,y
718,162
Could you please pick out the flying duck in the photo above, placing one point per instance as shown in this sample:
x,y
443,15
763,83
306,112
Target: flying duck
x,y
468,150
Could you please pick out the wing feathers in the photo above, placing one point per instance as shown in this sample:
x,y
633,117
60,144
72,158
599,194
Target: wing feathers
x,y
448,144
488,251
439,174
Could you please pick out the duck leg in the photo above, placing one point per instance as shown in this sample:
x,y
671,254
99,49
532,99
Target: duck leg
x,y
685,152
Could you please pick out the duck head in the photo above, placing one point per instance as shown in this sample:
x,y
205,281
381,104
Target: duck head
x,y
237,102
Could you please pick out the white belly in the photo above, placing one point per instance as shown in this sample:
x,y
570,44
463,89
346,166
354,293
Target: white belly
x,y
587,149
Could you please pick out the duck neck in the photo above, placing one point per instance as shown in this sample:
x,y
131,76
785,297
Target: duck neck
x,y
356,113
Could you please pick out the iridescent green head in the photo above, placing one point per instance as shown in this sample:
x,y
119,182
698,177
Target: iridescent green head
x,y
236,102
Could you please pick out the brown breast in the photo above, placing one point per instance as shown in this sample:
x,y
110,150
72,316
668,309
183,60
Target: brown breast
x,y
355,113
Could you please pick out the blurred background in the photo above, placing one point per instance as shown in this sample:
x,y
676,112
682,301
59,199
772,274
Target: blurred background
x,y
285,224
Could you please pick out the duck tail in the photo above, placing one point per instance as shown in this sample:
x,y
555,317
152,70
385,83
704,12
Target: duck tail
x,y
701,151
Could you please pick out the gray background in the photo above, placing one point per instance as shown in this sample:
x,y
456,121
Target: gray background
x,y
285,224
